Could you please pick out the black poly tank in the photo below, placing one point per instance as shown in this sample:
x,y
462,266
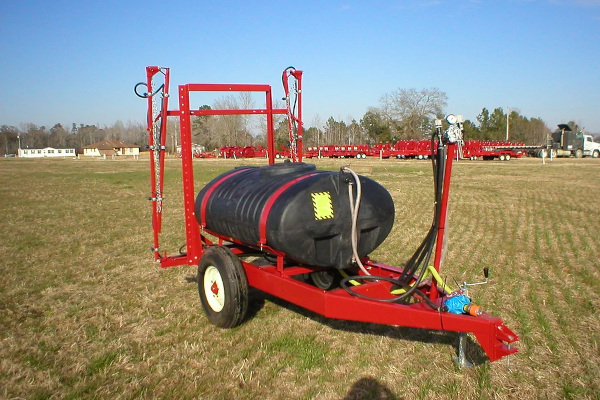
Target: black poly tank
x,y
295,209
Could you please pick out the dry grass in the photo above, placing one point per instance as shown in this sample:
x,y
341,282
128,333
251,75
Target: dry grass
x,y
85,313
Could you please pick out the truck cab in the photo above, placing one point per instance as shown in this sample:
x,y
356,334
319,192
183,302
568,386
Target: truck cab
x,y
590,148
566,143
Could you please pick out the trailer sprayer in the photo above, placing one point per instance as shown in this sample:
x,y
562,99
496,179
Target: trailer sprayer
x,y
313,230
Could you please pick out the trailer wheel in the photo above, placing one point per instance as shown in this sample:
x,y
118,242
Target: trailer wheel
x,y
507,157
325,279
223,287
501,158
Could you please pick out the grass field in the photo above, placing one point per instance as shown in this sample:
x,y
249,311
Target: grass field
x,y
86,313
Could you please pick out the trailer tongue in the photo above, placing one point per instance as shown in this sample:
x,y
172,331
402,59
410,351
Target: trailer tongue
x,y
313,230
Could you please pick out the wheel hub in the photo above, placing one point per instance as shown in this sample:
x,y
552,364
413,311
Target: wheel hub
x,y
214,289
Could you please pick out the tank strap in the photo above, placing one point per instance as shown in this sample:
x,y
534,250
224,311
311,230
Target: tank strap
x,y
209,193
262,225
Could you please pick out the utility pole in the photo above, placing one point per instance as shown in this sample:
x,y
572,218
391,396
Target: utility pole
x,y
507,121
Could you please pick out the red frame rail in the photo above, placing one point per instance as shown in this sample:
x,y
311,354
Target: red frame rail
x,y
278,280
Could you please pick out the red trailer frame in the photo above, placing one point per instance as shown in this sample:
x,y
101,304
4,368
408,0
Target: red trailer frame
x,y
277,278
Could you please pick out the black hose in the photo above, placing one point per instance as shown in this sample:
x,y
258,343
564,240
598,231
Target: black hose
x,y
396,299
145,95
422,256
423,252
181,253
135,90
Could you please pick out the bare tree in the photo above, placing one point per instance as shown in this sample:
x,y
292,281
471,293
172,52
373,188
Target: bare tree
x,y
58,136
246,102
318,124
411,112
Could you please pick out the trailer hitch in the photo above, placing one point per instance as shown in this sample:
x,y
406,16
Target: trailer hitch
x,y
494,337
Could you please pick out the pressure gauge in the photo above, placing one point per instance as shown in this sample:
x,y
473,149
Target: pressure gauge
x,y
451,119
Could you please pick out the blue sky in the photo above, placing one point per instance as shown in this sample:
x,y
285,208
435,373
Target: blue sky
x,y
77,61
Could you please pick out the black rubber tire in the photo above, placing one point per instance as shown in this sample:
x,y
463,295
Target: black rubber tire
x,y
579,153
227,307
595,154
326,279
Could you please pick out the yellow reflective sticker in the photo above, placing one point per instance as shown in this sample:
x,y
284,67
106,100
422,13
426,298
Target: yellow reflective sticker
x,y
322,205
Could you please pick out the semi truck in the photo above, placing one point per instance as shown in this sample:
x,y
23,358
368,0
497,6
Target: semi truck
x,y
566,143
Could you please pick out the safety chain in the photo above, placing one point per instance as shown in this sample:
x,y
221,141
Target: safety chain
x,y
292,125
156,139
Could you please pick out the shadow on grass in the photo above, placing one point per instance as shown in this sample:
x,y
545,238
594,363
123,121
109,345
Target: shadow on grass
x,y
258,298
369,388
474,352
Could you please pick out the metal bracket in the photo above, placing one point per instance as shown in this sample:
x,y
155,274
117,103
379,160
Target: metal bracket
x,y
461,359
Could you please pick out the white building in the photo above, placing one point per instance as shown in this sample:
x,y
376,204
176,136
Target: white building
x,y
111,148
46,152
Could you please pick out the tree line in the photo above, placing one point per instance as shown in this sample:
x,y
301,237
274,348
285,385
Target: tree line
x,y
77,136
400,114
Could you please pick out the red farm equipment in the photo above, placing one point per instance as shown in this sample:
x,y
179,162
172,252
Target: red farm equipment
x,y
338,151
490,150
419,149
381,150
313,229
242,152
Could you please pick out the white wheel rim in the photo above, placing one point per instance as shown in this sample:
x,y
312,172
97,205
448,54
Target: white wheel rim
x,y
214,289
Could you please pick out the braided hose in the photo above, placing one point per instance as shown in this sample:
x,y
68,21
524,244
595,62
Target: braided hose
x,y
354,208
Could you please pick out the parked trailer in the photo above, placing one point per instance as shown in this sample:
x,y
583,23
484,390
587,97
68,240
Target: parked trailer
x,y
419,149
242,152
403,149
490,150
338,151
284,153
328,236
205,155
381,150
